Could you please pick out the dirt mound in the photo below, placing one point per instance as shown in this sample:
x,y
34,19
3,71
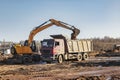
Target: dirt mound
x,y
4,57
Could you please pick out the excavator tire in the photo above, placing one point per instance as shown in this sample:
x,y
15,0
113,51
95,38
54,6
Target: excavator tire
x,y
13,51
36,57
26,59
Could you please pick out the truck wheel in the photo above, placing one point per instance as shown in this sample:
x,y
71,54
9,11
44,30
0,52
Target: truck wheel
x,y
60,59
79,57
85,56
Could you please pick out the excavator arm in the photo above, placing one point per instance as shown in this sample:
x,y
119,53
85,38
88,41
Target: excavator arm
x,y
53,22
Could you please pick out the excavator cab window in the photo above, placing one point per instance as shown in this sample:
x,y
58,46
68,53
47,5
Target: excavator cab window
x,y
26,43
33,46
22,43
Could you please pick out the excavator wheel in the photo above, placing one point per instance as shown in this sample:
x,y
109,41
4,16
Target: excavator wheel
x,y
36,57
26,59
13,51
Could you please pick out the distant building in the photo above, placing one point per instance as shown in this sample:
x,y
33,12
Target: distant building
x,y
5,47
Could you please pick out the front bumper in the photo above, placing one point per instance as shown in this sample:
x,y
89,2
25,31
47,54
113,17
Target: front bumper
x,y
49,58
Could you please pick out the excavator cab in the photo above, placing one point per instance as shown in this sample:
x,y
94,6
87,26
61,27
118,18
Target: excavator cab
x,y
32,45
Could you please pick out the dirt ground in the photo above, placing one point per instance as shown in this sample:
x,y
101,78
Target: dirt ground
x,y
96,68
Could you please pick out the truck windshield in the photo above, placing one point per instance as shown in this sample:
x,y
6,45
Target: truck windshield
x,y
47,43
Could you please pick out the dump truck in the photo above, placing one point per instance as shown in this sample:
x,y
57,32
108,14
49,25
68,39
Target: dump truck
x,y
60,49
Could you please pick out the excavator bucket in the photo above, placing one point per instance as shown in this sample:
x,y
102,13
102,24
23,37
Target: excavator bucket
x,y
75,33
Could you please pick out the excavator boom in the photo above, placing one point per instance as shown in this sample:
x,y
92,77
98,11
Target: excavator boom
x,y
53,22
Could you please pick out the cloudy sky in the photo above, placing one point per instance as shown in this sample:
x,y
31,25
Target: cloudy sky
x,y
95,18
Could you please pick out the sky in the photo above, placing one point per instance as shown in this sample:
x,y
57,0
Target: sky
x,y
94,18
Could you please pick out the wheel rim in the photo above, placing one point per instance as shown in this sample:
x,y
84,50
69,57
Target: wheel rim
x,y
85,56
79,57
60,59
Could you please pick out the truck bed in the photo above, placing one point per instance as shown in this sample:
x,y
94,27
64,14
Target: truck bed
x,y
75,46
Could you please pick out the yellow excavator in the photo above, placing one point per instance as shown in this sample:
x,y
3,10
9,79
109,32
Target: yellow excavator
x,y
29,45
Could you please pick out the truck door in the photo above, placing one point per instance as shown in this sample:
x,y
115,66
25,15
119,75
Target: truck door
x,y
59,47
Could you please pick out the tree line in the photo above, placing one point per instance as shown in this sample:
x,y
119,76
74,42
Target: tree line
x,y
106,43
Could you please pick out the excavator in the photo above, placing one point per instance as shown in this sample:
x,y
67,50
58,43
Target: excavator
x,y
28,48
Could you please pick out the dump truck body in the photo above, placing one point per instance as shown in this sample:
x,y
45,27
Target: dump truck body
x,y
75,46
61,48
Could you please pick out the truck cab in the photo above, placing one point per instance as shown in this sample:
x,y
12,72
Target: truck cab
x,y
51,48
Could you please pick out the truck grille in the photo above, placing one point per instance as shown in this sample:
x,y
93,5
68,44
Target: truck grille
x,y
46,53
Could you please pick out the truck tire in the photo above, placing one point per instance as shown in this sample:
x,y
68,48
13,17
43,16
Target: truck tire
x,y
79,57
85,56
60,59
